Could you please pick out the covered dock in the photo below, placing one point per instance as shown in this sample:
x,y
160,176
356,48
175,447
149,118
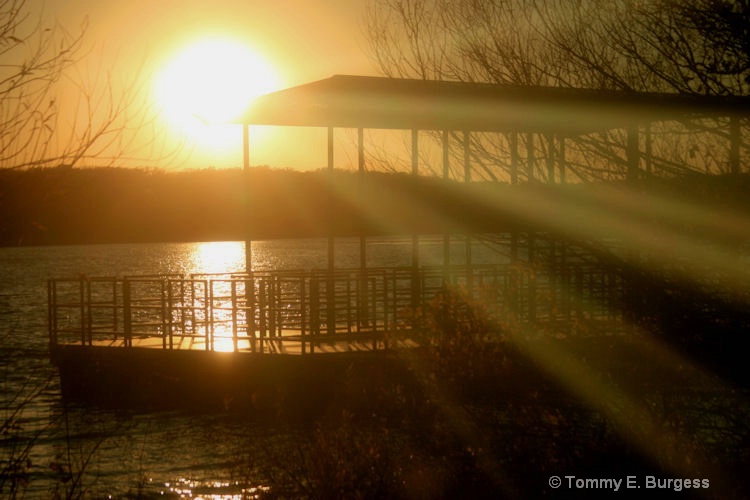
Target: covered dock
x,y
537,126
549,279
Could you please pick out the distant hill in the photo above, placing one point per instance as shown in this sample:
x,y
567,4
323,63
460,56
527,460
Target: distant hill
x,y
109,205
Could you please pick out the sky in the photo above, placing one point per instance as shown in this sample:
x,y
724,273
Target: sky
x,y
299,40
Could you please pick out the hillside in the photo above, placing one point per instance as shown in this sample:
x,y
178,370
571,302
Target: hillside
x,y
106,205
109,205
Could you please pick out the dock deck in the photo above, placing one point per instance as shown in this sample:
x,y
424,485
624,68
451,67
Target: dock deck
x,y
286,312
209,340
306,312
288,343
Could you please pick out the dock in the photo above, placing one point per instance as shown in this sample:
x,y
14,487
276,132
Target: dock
x,y
221,340
280,312
168,339
308,312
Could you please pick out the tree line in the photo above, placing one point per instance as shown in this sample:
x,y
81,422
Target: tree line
x,y
46,206
65,205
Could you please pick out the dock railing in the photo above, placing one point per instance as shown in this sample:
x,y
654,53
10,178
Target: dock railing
x,y
298,311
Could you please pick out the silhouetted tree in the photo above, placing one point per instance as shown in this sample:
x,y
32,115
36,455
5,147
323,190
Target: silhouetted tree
x,y
724,27
50,113
698,46
693,47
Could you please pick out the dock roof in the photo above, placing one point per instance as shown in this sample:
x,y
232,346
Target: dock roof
x,y
392,103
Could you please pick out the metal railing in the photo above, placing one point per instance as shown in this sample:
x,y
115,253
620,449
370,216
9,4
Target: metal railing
x,y
261,311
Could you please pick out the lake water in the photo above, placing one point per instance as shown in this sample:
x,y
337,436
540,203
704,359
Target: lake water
x,y
180,455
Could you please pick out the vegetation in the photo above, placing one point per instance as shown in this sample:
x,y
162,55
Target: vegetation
x,y
16,444
53,113
695,47
105,205
496,423
445,431
466,415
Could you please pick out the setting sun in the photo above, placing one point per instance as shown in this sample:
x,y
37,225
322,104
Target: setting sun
x,y
208,84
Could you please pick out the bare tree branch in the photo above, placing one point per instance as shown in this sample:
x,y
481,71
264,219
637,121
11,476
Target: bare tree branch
x,y
52,113
690,47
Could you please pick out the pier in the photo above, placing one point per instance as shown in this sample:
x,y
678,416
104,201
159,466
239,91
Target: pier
x,y
309,312
584,248
208,340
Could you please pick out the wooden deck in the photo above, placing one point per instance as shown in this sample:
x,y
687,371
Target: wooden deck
x,y
226,340
316,311
289,343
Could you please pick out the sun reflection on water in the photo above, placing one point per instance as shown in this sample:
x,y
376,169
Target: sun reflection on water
x,y
185,488
222,339
218,257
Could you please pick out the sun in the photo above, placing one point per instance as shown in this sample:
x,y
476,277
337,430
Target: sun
x,y
210,83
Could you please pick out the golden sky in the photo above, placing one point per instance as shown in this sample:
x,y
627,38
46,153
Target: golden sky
x,y
297,41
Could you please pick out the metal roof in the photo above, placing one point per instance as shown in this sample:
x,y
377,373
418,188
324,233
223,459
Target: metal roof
x,y
393,103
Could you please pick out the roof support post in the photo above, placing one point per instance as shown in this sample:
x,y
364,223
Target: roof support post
x,y
467,156
330,310
246,171
550,157
361,182
467,178
362,296
416,292
361,149
530,156
331,250
446,176
632,151
513,144
415,152
330,148
446,155
734,144
415,172
649,152
561,159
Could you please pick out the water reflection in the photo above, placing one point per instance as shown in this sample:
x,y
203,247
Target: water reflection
x,y
120,449
184,488
223,340
217,257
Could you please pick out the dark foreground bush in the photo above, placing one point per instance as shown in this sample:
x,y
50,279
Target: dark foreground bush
x,y
486,420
